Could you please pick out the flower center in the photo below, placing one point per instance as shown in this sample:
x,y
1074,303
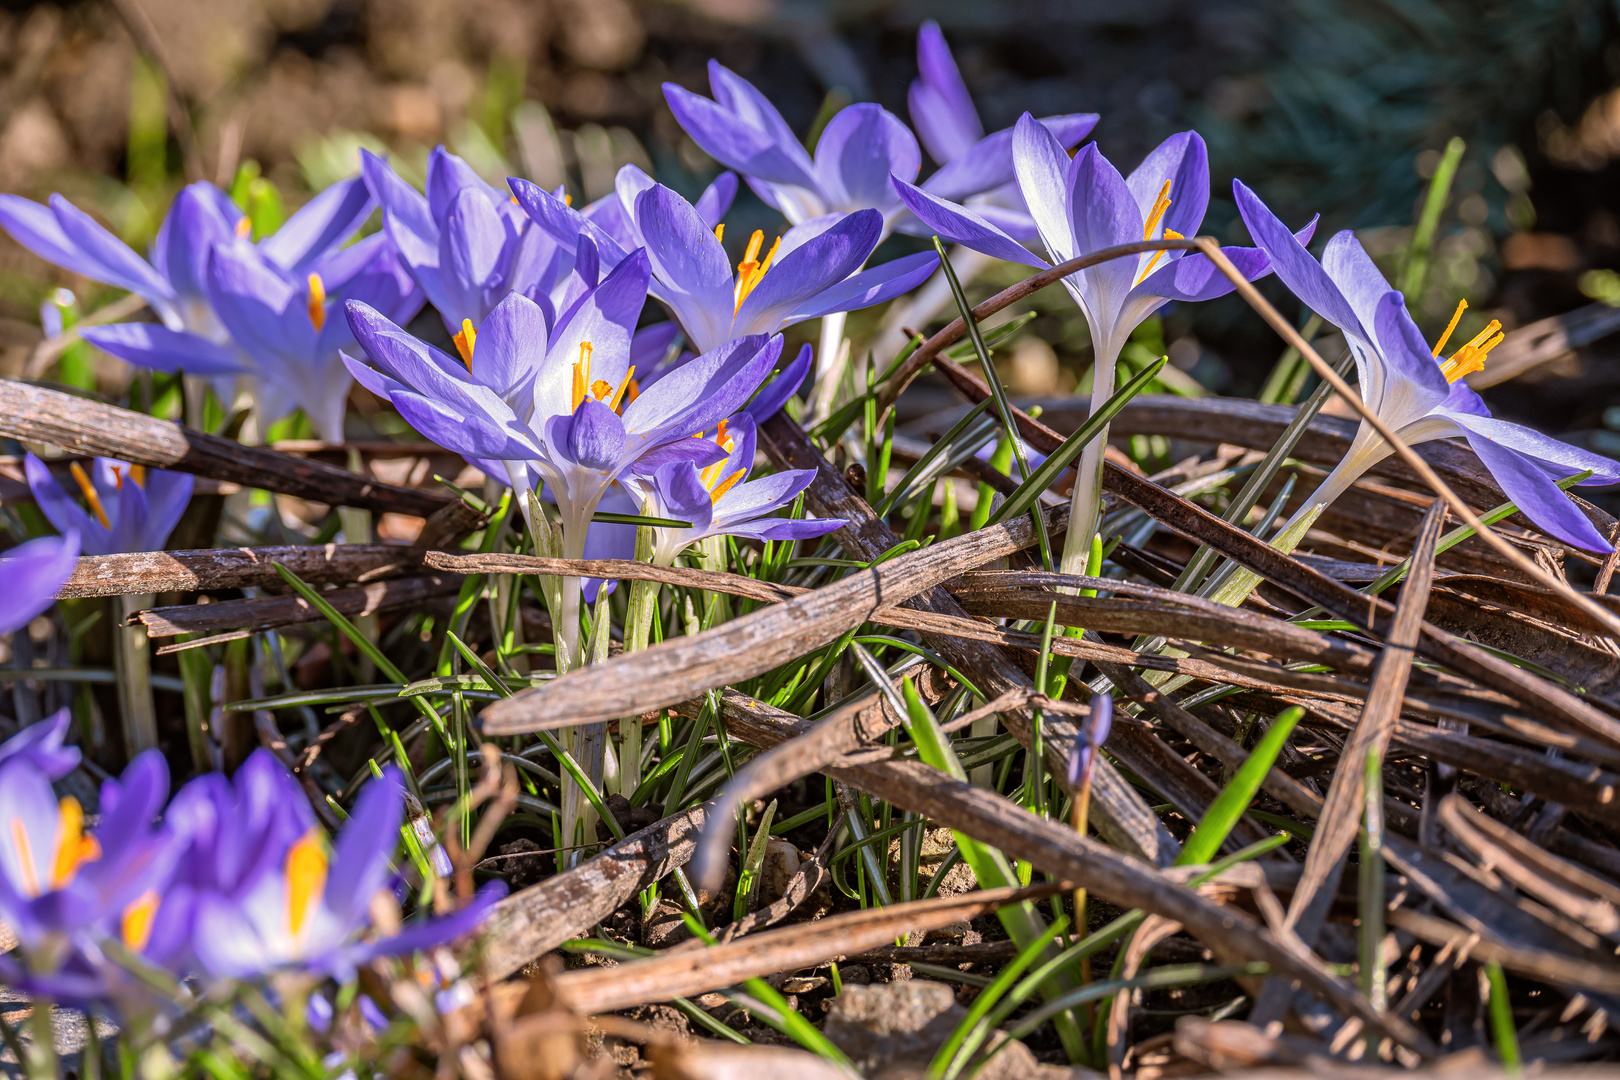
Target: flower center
x,y
317,302
711,476
1471,357
600,389
306,878
752,269
465,339
135,927
1155,218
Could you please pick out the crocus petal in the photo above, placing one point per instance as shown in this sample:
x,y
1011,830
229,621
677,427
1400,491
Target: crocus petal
x,y
605,318
982,167
742,98
31,573
682,495
193,225
320,225
471,244
464,433
61,510
1293,265
785,385
815,266
941,109
780,528
961,225
152,345
405,211
42,745
35,227
735,143
1069,128
1183,161
1413,383
696,395
117,264
592,437
167,495
689,263
130,524
420,936
859,149
1042,166
510,345
878,285
717,199
1520,460
360,855
448,176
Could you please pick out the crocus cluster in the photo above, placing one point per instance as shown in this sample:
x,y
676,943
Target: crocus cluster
x,y
236,880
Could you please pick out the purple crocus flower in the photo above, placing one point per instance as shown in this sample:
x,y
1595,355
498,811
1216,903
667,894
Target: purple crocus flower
x,y
1089,740
975,168
807,272
61,889
1084,205
31,573
174,282
467,244
303,902
41,745
720,500
130,508
1404,382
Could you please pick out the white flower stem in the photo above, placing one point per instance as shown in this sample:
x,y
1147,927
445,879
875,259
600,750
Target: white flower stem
x,y
638,617
1085,504
133,665
830,363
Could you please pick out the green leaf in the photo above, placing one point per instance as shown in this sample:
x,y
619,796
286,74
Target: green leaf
x,y
1223,814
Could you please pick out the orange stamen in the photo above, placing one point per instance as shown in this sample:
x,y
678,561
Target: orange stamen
x,y
726,485
466,338
582,374
90,494
720,232
628,383
244,227
1156,215
137,473
73,848
306,878
751,271
317,302
135,927
1471,357
1456,317
1169,234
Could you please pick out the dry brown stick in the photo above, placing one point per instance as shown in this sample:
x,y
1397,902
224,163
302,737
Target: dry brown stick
x,y
1119,812
1340,817
620,569
685,667
269,612
231,568
1548,967
36,414
688,972
1311,585
530,923
1056,849
1324,371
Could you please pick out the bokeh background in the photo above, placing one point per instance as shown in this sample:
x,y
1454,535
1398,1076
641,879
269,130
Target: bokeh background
x,y
1337,107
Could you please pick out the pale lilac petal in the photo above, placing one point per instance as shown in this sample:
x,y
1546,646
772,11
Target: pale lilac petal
x,y
605,318
363,847
61,509
1521,461
34,227
193,225
818,264
696,395
690,265
593,436
1183,161
1293,265
871,287
859,149
1406,354
103,256
742,98
681,495
717,199
510,346
775,394
152,345
471,246
1042,166
167,495
42,745
734,142
320,225
960,225
1069,128
941,109
448,176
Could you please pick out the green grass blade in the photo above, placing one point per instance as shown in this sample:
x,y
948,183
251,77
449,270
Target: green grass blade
x,y
1223,814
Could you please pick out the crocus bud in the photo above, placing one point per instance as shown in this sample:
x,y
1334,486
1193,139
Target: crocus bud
x,y
1093,733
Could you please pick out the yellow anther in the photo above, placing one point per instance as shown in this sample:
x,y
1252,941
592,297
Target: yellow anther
x,y
135,927
720,232
466,338
600,389
118,480
1156,215
633,392
25,857
90,495
751,271
568,200
244,227
582,374
1169,234
317,302
1471,357
73,848
628,383
1456,317
306,878
137,473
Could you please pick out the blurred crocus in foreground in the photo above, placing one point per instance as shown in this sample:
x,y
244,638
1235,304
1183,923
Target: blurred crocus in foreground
x,y
1410,388
42,746
1088,742
31,573
304,901
127,508
1085,205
